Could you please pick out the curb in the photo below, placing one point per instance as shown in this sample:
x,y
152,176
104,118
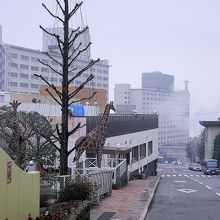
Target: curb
x,y
146,207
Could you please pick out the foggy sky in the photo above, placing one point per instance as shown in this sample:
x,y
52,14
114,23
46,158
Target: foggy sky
x,y
178,37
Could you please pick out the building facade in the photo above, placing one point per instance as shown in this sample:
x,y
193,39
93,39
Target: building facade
x,y
18,66
157,96
212,128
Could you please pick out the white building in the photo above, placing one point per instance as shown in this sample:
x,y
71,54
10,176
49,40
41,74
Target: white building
x,y
158,96
18,66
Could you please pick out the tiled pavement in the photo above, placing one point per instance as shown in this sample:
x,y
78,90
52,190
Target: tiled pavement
x,y
122,201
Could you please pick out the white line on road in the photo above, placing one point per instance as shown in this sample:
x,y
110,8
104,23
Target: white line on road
x,y
197,175
163,176
209,176
180,175
191,175
208,187
218,194
174,175
168,175
185,175
203,175
200,183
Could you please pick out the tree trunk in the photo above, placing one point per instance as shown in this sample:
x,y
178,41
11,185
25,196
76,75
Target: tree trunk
x,y
64,133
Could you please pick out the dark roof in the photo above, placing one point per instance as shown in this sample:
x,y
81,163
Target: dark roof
x,y
209,123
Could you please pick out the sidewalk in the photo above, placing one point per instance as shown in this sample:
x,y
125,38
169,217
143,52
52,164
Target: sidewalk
x,y
122,203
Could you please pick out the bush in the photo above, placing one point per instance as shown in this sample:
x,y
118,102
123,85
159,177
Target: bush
x,y
78,189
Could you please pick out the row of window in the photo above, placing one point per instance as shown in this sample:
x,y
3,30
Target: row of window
x,y
24,85
35,59
140,151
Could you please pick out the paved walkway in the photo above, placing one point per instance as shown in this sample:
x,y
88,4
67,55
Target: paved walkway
x,y
122,201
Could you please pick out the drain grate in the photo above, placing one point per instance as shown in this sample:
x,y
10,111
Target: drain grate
x,y
106,216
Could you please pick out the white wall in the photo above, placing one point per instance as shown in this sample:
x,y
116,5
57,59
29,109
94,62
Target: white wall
x,y
134,139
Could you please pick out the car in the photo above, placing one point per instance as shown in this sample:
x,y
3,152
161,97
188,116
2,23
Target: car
x,y
197,167
191,166
179,162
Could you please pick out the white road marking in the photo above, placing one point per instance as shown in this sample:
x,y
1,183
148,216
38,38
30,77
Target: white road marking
x,y
180,175
200,183
187,190
209,176
168,175
191,175
203,175
185,175
218,194
174,175
208,187
197,175
163,176
179,181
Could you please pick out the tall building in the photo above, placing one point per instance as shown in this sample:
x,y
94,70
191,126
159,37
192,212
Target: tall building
x,y
18,66
158,96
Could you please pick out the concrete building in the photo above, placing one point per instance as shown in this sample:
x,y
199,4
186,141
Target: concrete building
x,y
212,128
134,137
18,66
158,96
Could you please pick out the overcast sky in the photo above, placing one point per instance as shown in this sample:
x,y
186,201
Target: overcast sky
x,y
178,37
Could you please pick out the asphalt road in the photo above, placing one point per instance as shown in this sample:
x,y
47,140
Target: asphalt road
x,y
183,194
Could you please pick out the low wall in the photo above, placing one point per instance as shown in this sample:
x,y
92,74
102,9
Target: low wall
x,y
19,191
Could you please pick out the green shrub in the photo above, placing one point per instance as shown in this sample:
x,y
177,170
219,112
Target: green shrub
x,y
78,189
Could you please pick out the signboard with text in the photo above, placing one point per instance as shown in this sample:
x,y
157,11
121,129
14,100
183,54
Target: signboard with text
x,y
9,172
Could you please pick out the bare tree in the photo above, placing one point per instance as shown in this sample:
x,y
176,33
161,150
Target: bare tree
x,y
69,53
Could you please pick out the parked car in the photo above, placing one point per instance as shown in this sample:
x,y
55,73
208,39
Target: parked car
x,y
191,166
179,162
197,167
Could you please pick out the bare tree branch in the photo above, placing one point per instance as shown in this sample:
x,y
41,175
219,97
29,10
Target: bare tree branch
x,y
57,17
78,145
71,95
81,51
83,99
50,85
72,32
92,62
57,37
46,53
48,65
60,6
71,42
75,129
77,6
53,97
58,131
74,51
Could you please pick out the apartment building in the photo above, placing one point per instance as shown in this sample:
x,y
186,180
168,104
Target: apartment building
x,y
18,66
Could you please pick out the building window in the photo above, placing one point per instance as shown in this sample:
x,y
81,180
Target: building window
x,y
45,61
99,77
14,65
143,150
34,59
92,84
53,79
85,75
150,148
24,85
99,84
35,68
135,153
105,85
24,67
34,86
105,71
24,76
78,82
13,55
13,84
23,57
105,78
44,69
14,74
99,71
34,77
92,69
